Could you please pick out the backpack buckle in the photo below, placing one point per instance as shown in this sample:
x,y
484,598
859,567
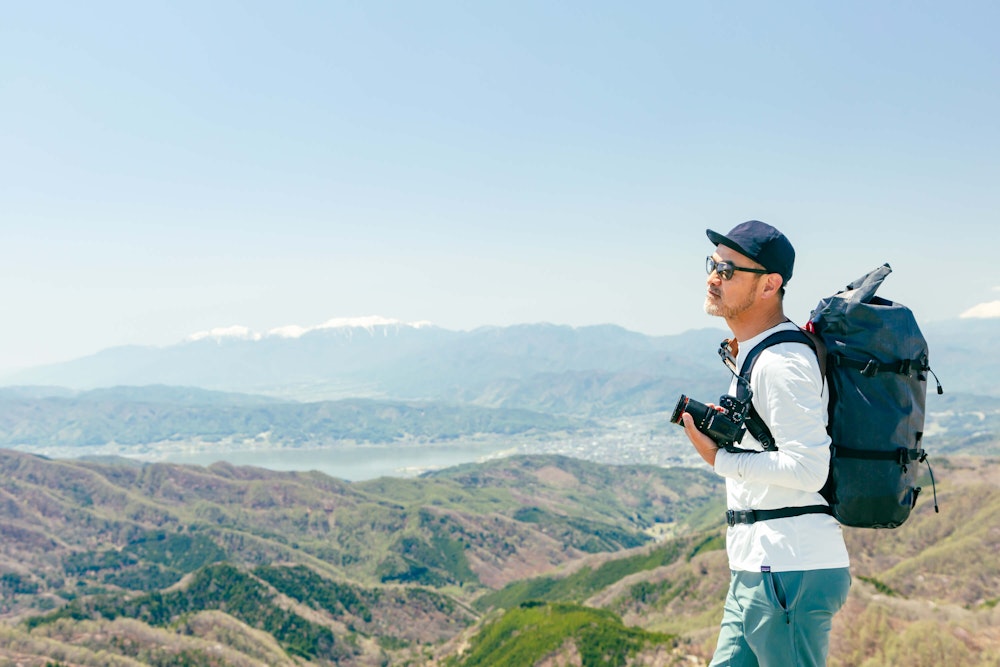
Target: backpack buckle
x,y
870,369
734,517
904,456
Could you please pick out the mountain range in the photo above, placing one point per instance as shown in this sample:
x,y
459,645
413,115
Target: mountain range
x,y
595,369
380,381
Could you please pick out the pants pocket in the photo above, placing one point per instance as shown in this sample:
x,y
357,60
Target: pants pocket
x,y
775,589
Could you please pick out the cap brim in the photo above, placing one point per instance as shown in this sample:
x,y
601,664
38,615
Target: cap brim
x,y
719,239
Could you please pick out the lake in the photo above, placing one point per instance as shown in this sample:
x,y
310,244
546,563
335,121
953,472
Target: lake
x,y
351,462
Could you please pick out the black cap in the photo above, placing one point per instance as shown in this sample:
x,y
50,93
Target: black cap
x,y
762,243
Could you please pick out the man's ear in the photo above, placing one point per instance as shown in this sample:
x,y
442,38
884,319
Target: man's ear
x,y
772,284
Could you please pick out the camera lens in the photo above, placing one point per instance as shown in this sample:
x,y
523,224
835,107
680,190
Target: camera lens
x,y
702,413
679,409
715,423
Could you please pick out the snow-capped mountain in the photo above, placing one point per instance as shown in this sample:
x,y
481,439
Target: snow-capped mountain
x,y
516,366
371,324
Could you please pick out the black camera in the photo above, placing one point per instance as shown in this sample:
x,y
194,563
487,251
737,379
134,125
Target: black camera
x,y
724,424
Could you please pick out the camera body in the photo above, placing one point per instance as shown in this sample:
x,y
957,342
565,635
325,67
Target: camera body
x,y
724,424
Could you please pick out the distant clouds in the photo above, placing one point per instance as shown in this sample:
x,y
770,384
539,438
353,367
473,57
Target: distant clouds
x,y
986,310
983,310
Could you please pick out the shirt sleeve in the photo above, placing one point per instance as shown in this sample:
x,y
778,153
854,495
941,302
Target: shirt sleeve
x,y
789,396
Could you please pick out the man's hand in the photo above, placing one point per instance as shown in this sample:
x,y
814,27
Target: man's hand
x,y
705,446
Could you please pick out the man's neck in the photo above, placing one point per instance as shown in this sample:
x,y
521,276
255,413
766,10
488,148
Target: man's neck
x,y
745,328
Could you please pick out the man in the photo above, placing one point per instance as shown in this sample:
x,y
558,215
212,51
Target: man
x,y
789,575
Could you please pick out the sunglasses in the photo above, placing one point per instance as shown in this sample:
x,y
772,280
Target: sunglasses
x,y
726,269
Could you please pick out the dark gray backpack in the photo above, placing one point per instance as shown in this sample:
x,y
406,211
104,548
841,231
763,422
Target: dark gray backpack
x,y
876,365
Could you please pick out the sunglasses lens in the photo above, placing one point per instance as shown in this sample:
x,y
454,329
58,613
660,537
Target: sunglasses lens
x,y
724,269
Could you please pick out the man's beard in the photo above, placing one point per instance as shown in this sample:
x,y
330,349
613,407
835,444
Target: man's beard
x,y
719,309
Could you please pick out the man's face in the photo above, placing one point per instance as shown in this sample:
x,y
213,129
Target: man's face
x,y
730,298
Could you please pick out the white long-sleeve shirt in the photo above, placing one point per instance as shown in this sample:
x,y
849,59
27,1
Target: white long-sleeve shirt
x,y
791,397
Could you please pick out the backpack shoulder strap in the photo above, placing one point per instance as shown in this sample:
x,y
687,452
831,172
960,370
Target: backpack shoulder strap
x,y
755,424
785,336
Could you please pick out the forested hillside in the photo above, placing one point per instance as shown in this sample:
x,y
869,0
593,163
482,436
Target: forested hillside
x,y
330,571
531,557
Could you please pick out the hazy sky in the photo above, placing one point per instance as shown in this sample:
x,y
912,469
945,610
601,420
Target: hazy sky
x,y
171,167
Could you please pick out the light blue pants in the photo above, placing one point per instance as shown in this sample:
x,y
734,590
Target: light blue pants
x,y
780,619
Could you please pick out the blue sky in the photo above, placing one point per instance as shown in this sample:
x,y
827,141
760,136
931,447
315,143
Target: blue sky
x,y
171,167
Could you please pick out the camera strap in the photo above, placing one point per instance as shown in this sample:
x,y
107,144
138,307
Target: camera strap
x,y
727,352
754,422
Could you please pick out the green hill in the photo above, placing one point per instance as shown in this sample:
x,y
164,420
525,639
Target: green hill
x,y
534,631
